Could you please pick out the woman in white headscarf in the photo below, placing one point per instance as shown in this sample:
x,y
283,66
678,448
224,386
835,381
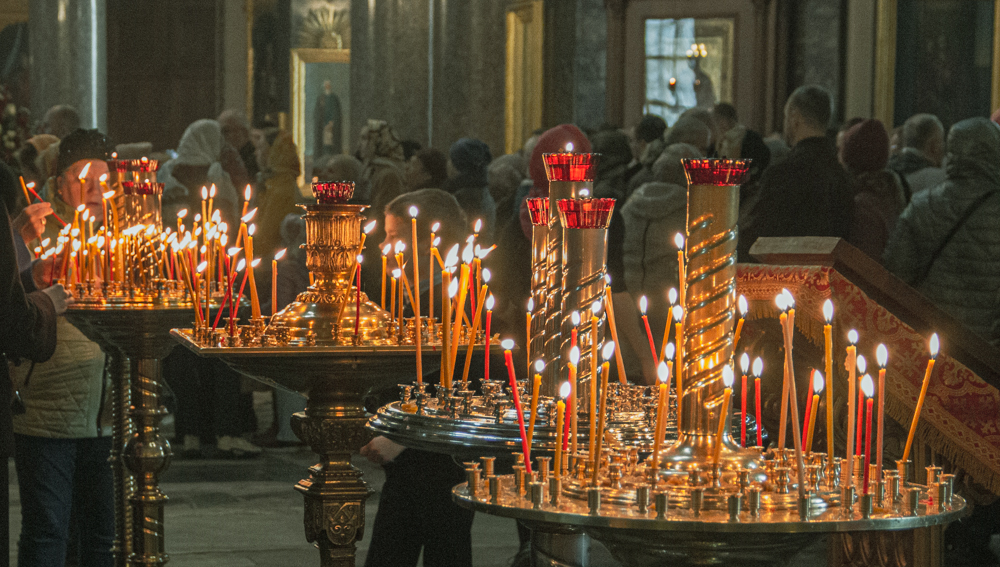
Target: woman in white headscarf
x,y
203,159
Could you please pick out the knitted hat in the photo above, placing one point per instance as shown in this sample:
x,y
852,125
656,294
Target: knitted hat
x,y
470,155
80,145
650,128
866,147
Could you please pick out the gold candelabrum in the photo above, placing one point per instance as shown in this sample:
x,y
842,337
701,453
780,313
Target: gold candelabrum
x,y
709,315
326,312
571,176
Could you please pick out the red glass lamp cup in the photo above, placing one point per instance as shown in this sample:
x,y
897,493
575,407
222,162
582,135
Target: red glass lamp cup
x,y
570,166
538,210
719,172
586,213
333,192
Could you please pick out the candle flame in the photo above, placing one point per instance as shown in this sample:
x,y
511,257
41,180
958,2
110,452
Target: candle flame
x,y
451,259
672,295
211,191
727,376
818,381
84,171
608,350
478,226
758,366
569,147
204,193
669,351
868,386
452,287
414,211
531,304
487,274
107,195
744,363
249,216
828,311
435,227
935,345
86,215
780,301
482,253
882,355
255,263
489,303
46,241
678,312
80,208
741,301
252,229
241,265
565,390
396,273
607,279
595,307
386,249
852,337
31,185
467,253
662,372
574,355
103,177
233,251
539,365
437,241
862,364
789,300
575,318
643,304
182,213
399,247
247,193
679,241
360,258
507,344
201,267
370,227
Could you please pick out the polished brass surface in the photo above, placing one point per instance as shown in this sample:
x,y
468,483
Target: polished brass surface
x,y
136,337
708,328
335,380
325,312
539,267
554,369
584,263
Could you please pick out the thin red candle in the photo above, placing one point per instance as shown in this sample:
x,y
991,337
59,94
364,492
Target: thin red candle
x,y
486,368
357,303
232,300
572,338
509,344
868,445
861,414
805,428
743,411
222,305
758,367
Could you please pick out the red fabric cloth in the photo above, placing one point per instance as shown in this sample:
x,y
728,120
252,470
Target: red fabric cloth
x,y
960,414
866,147
552,141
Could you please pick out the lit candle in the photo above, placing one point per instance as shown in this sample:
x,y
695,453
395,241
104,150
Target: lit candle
x,y
357,312
619,361
868,387
508,344
727,380
780,300
934,346
645,321
663,375
451,288
430,279
672,299
668,356
254,300
742,303
180,220
560,437
681,272
828,359
805,427
486,340
204,201
862,368
274,280
817,388
575,319
527,329
392,296
385,253
758,369
679,325
416,288
536,383
211,199
792,396
574,360
851,366
472,335
744,368
247,193
882,357
83,181
463,288
595,310
607,352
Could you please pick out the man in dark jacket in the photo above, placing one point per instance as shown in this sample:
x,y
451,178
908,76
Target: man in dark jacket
x,y
28,332
808,193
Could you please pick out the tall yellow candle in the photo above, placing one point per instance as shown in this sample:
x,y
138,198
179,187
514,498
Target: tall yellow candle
x,y
449,289
882,357
592,414
527,330
783,422
852,368
602,411
254,300
472,336
934,346
817,384
274,280
681,271
385,251
418,335
672,299
619,362
430,276
463,288
536,384
560,413
727,380
663,375
828,367
392,296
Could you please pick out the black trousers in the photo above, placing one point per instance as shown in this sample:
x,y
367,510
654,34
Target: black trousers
x,y
416,511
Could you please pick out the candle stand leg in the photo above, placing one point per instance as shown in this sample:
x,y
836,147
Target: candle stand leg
x,y
335,492
121,431
555,545
147,455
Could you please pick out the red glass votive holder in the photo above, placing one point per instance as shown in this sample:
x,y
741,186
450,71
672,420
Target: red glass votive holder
x,y
141,188
719,172
144,165
333,192
586,213
570,166
538,211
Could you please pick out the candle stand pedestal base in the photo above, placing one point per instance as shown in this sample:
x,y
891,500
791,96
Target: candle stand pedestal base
x,y
135,339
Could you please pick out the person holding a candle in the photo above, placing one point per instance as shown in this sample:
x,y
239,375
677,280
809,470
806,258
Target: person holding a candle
x,y
415,509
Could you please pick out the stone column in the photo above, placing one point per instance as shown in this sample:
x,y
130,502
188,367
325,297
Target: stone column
x,y
69,58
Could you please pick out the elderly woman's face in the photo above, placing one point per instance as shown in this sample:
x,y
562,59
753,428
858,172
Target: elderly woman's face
x,y
88,192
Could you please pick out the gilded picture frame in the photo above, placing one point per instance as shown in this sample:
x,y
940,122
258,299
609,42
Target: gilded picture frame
x,y
311,68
